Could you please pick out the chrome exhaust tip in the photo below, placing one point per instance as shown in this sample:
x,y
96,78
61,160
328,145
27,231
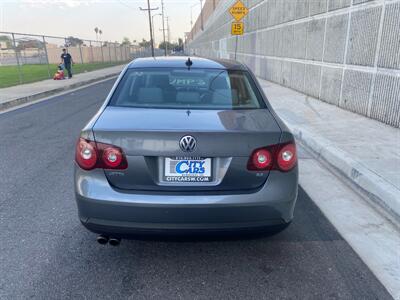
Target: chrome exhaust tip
x,y
114,241
102,240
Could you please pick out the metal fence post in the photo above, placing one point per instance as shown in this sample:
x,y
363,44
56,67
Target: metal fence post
x,y
23,57
119,54
102,55
20,75
80,53
47,56
91,52
38,53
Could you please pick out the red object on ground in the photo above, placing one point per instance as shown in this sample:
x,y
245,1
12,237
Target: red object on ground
x,y
59,75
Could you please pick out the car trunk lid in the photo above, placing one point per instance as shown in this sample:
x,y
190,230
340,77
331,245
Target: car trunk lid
x,y
148,136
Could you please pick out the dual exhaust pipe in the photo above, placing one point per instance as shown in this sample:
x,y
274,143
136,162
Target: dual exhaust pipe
x,y
103,240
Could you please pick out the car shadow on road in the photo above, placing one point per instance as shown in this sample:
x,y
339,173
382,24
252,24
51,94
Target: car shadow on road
x,y
309,225
308,260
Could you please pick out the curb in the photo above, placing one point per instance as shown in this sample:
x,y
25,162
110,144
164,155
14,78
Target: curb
x,y
381,192
26,99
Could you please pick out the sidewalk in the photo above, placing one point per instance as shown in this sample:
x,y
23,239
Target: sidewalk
x,y
19,94
365,151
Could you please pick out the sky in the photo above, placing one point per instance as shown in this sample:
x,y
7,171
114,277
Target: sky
x,y
116,18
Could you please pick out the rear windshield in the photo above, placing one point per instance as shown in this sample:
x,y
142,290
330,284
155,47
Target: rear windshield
x,y
183,88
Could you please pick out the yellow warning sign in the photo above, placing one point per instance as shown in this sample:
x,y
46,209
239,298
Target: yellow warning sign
x,y
238,10
237,28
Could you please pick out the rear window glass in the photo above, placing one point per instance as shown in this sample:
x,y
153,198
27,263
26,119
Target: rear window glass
x,y
183,88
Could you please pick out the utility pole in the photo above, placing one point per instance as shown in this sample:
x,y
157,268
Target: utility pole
x,y
151,30
169,41
168,36
163,27
152,19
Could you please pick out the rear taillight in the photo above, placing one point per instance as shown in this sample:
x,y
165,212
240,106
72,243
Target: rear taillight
x,y
86,154
262,159
91,155
112,157
287,157
281,157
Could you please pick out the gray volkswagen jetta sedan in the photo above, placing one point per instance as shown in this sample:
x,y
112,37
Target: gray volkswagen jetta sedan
x,y
185,145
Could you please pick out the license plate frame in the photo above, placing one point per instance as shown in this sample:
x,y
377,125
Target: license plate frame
x,y
195,170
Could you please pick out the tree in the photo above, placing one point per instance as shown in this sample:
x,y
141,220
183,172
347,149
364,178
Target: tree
x,y
145,44
25,43
73,41
180,45
170,46
100,32
7,40
126,41
96,29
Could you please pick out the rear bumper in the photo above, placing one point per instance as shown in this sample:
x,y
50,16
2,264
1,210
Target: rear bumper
x,y
105,210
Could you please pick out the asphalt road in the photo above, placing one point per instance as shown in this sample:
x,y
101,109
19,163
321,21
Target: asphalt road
x,y
45,253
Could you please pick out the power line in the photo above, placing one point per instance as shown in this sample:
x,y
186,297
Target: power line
x,y
124,4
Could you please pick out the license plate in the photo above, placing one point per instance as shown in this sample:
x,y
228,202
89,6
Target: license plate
x,y
187,170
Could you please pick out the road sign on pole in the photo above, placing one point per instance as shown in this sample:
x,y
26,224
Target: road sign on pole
x,y
238,10
237,28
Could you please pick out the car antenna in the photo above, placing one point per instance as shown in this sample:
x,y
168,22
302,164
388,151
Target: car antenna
x,y
189,63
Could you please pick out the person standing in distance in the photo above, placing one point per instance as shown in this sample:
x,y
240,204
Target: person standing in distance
x,y
67,60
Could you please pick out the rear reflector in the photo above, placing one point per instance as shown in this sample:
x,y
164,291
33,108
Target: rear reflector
x,y
90,155
282,157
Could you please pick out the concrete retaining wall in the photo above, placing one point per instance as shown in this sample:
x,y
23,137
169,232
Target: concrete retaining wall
x,y
344,52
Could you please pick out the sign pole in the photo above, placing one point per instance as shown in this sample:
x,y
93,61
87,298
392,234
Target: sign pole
x,y
236,45
238,12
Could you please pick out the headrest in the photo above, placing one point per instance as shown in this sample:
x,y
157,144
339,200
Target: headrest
x,y
188,97
150,95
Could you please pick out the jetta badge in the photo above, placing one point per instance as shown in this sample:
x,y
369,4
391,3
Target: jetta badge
x,y
187,143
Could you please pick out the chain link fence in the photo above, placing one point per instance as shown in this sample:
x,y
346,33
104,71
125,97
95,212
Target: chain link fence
x,y
27,57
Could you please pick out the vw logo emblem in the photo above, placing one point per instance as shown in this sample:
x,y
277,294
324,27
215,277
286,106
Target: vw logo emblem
x,y
187,143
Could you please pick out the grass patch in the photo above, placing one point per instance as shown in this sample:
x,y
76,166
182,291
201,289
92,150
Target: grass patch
x,y
31,73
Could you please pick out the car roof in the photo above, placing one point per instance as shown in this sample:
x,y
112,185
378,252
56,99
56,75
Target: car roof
x,y
180,62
